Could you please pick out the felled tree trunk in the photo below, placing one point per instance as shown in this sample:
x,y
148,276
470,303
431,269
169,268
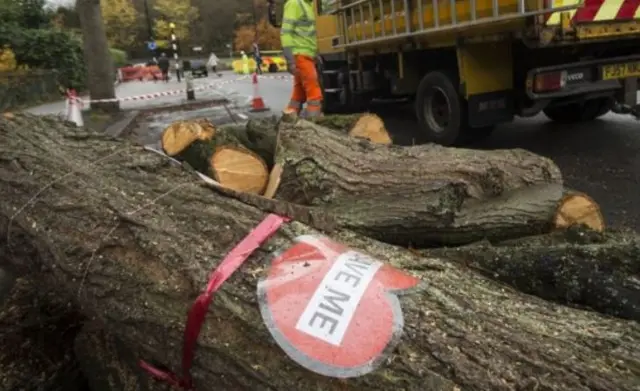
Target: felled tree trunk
x,y
577,267
397,194
422,195
133,239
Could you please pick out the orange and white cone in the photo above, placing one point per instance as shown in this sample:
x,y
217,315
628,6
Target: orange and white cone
x,y
73,108
257,103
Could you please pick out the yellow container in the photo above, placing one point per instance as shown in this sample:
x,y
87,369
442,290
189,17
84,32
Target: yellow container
x,y
279,62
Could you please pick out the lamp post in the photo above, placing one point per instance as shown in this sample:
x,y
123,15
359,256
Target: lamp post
x,y
187,77
174,46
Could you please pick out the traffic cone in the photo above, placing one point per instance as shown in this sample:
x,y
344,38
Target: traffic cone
x,y
73,108
257,104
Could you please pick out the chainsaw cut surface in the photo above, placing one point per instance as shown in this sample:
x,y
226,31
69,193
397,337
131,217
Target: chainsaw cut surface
x,y
180,135
240,169
579,209
371,127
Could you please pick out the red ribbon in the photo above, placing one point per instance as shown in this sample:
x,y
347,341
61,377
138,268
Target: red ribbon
x,y
234,259
72,97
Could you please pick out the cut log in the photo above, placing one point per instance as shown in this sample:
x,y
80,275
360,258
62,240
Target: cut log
x,y
258,135
178,136
577,208
239,169
367,126
422,195
132,240
515,217
214,152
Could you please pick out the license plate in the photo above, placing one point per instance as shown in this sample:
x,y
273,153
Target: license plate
x,y
620,71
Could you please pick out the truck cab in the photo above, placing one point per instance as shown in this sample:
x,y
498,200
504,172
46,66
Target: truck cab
x,y
469,65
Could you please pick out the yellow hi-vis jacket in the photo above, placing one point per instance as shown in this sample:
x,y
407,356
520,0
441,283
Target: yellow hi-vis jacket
x,y
298,30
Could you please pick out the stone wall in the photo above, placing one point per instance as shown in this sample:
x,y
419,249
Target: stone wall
x,y
27,88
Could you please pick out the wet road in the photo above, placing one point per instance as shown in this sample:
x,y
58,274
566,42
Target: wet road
x,y
600,158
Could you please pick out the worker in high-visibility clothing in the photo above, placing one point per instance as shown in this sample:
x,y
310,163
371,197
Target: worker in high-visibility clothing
x,y
245,62
299,47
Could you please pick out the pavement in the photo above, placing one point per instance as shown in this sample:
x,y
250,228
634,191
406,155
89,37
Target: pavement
x,y
601,158
225,86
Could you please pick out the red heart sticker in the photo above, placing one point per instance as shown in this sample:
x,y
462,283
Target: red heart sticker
x,y
333,310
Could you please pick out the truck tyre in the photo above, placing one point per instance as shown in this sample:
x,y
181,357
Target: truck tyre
x,y
273,68
579,112
440,110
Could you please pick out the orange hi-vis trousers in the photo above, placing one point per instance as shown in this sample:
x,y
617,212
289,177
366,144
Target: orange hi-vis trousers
x,y
306,88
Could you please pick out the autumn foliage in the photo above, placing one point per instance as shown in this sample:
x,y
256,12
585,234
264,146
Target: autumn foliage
x,y
179,12
120,22
268,37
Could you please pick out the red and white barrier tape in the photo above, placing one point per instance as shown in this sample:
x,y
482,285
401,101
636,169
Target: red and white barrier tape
x,y
72,98
158,94
276,77
155,95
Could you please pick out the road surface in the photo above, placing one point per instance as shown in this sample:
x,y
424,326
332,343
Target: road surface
x,y
601,158
220,87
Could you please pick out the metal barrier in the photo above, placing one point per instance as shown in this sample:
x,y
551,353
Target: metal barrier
x,y
140,73
375,21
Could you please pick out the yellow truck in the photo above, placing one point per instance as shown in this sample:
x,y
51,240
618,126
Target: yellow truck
x,y
470,65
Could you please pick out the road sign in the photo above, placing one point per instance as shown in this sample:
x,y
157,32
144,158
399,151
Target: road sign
x,y
152,45
333,310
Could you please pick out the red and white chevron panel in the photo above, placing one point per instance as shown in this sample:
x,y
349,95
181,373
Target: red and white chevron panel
x,y
598,11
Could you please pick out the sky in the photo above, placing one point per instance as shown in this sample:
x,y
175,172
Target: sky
x,y
60,2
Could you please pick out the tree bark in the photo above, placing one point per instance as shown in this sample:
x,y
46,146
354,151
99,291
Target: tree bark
x,y
260,135
132,238
469,195
420,195
578,267
100,72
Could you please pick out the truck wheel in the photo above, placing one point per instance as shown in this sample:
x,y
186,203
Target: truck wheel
x,y
273,68
439,109
579,112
